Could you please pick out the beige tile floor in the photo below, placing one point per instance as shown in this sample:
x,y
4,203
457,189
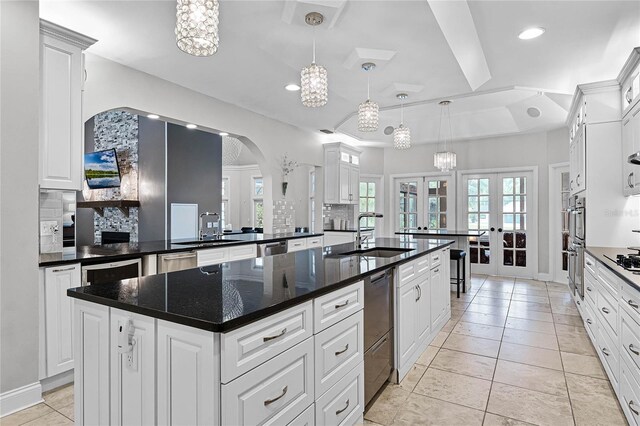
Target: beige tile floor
x,y
514,353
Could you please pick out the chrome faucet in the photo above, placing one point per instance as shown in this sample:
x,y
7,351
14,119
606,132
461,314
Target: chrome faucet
x,y
216,232
359,238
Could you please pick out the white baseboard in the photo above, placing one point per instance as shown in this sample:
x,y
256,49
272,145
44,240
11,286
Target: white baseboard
x,y
20,398
56,381
543,276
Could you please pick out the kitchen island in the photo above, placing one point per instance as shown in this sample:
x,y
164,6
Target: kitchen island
x,y
275,340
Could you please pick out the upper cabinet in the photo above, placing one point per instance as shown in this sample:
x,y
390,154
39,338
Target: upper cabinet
x,y
341,174
629,80
61,127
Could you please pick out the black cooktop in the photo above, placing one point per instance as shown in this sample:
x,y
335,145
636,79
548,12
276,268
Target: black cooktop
x,y
629,261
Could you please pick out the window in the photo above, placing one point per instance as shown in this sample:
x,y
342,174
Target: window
x,y
437,202
368,203
408,213
224,208
312,201
258,203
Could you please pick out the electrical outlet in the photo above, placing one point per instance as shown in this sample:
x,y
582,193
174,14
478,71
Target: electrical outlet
x,y
287,221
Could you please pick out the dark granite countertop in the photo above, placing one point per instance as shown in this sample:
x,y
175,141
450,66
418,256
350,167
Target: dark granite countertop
x,y
601,253
443,232
113,252
224,297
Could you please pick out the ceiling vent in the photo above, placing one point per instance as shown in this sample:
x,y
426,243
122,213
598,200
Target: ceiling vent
x,y
326,131
388,130
533,112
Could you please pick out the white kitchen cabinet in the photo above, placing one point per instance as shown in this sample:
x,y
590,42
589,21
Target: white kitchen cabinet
x,y
332,238
297,244
61,124
245,251
438,289
406,329
187,376
214,256
577,161
343,404
133,373
423,307
631,145
59,316
91,374
332,308
313,242
341,174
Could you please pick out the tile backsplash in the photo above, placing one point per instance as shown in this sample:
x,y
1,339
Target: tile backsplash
x,y
284,216
343,212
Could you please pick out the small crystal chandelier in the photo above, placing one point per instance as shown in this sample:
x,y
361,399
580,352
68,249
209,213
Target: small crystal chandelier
x,y
401,134
445,160
313,79
368,111
197,27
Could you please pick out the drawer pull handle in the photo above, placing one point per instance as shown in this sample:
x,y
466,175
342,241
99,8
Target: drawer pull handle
x,y
589,321
589,263
589,289
345,407
419,293
605,310
435,259
346,348
578,302
631,404
435,271
632,304
271,401
64,269
282,333
342,305
605,351
632,349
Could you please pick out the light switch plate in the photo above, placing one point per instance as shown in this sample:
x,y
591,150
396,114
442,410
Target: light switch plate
x,y
48,227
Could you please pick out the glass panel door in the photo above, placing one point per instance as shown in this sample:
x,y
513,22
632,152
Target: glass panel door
x,y
439,203
513,229
408,209
478,217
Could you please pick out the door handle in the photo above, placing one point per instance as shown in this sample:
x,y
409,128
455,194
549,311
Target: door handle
x,y
629,180
493,229
499,229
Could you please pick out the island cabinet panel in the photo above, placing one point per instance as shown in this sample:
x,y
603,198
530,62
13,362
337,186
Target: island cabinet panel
x,y
133,373
59,316
343,404
274,393
406,330
423,306
215,256
439,292
256,343
187,376
337,305
307,418
91,374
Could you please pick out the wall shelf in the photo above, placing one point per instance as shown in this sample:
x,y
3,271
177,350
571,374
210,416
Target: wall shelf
x,y
99,206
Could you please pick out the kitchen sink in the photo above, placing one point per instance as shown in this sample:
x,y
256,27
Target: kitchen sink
x,y
377,252
204,243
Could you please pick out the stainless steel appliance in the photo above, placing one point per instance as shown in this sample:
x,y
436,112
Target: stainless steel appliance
x,y
172,262
378,332
577,234
113,271
271,249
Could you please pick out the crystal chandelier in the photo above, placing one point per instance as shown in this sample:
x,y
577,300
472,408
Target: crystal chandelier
x,y
231,148
445,160
401,134
313,79
368,110
197,26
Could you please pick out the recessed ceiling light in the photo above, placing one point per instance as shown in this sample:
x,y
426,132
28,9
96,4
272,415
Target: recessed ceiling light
x,y
530,33
534,112
292,87
191,126
153,116
223,134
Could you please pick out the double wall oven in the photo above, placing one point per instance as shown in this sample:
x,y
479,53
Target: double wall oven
x,y
576,244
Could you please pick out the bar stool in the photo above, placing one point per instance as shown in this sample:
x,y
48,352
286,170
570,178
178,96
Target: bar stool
x,y
459,257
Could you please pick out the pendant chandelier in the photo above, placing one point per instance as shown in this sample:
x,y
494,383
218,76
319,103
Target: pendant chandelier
x,y
197,27
368,111
313,79
445,160
401,134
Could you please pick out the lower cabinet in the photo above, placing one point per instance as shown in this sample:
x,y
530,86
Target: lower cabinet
x,y
406,329
343,404
423,306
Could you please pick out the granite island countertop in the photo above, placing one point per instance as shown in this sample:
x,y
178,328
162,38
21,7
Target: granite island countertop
x,y
223,297
607,256
87,255
443,233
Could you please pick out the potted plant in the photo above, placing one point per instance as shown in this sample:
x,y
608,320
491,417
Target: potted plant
x,y
287,166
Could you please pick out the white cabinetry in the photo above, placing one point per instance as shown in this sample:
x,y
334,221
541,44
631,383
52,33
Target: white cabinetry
x,y
59,317
341,174
631,145
187,375
332,238
406,330
61,125
577,161
216,256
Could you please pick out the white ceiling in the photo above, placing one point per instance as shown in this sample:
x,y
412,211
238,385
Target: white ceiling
x,y
264,44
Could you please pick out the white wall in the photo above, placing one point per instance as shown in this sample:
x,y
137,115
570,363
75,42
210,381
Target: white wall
x,y
19,103
535,149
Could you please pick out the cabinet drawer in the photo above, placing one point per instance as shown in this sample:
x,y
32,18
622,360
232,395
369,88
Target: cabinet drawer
x,y
590,289
590,321
630,339
422,265
343,404
248,251
314,242
630,302
338,305
629,395
338,349
590,264
436,258
212,256
608,280
609,354
608,309
254,344
406,273
307,418
274,393
297,244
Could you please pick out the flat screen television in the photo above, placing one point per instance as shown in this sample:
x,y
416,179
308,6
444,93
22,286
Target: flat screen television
x,y
101,169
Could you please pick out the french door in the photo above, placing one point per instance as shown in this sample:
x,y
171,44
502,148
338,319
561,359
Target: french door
x,y
502,205
425,202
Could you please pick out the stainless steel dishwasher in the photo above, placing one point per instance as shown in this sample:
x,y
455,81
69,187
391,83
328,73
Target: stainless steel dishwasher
x,y
171,262
378,332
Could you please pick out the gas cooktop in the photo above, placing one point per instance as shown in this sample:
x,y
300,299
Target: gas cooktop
x,y
629,261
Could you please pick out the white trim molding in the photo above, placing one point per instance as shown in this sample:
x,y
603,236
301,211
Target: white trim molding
x,y
20,398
